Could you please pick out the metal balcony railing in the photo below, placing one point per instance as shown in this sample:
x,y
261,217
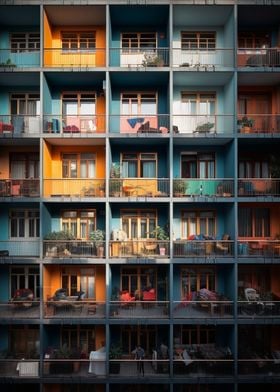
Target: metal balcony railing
x,y
203,59
20,309
258,308
219,187
144,57
22,58
139,309
203,125
258,57
259,366
74,187
203,367
78,125
148,248
258,123
20,367
147,124
23,247
206,248
72,249
261,248
19,125
202,309
58,57
259,187
139,187
13,187
79,309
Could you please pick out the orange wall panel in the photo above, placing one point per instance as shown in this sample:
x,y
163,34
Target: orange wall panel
x,y
100,284
47,41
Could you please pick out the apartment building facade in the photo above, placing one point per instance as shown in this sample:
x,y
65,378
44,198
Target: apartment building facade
x,y
139,195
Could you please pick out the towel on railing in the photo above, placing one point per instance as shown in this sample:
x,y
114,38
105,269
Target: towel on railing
x,y
133,121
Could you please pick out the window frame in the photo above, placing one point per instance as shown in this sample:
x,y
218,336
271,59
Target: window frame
x,y
138,97
252,228
27,221
66,279
196,159
210,272
78,97
139,273
25,272
26,98
137,41
195,42
66,222
139,158
138,215
254,37
67,159
197,330
27,40
77,36
198,98
185,220
67,330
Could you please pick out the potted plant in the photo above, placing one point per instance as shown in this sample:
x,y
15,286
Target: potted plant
x,y
97,237
54,248
179,187
152,60
160,234
115,181
245,124
114,354
204,127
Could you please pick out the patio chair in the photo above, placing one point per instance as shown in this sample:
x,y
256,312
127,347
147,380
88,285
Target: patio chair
x,y
253,298
223,247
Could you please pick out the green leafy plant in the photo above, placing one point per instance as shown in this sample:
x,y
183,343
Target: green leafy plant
x,y
115,351
97,237
205,127
152,60
59,235
159,233
245,122
179,186
115,181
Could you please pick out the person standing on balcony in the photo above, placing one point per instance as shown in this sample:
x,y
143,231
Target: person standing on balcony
x,y
139,356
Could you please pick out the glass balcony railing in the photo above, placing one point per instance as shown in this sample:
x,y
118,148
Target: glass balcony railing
x,y
258,123
147,124
199,59
58,57
19,187
10,58
259,187
72,248
261,248
74,187
20,309
19,125
144,57
203,125
20,247
138,309
202,309
75,125
205,248
258,57
140,248
78,309
139,187
219,187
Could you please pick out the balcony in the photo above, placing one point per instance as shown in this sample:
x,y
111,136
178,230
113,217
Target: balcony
x,y
19,125
78,309
57,57
258,123
199,368
19,58
260,57
258,309
205,248
22,247
20,188
252,187
73,187
72,249
203,125
149,248
214,187
260,366
151,57
139,187
203,60
20,310
139,309
75,125
152,124
20,368
259,248
186,309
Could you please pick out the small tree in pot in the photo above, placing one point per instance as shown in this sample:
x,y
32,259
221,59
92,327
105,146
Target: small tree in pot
x,y
160,234
115,353
97,237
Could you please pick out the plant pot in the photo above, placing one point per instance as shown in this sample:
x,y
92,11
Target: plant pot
x,y
246,129
100,251
162,251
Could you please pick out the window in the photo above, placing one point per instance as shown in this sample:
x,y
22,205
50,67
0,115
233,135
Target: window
x,y
251,168
194,279
198,103
25,42
137,278
139,165
25,277
145,336
81,279
24,340
80,336
197,334
78,165
139,104
24,224
194,165
248,39
132,42
138,224
78,104
201,40
79,223
253,222
24,165
74,41
198,222
25,104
